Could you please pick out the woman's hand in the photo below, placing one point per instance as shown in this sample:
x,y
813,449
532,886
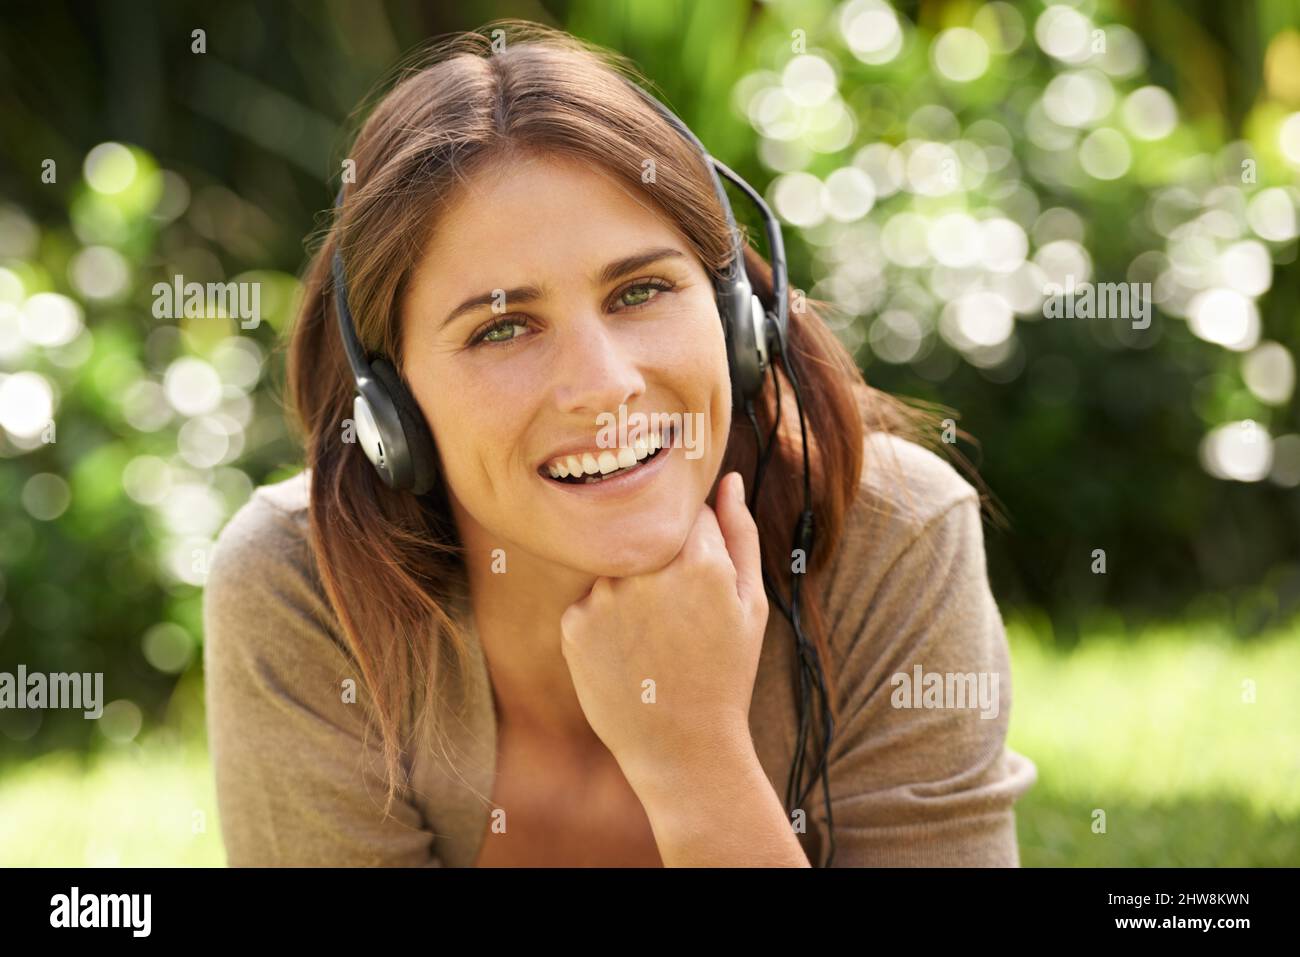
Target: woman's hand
x,y
664,663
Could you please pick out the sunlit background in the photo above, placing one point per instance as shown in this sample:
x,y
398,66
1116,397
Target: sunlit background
x,y
941,169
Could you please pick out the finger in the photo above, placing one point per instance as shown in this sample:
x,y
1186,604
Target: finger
x,y
705,545
705,538
741,536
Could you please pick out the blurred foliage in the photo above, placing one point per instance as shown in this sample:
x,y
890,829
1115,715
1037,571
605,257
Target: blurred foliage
x,y
938,164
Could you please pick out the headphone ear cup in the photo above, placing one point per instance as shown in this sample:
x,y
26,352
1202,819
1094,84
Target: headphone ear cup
x,y
418,450
741,313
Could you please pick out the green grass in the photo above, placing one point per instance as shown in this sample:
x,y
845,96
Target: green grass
x,y
147,807
1150,729
1154,731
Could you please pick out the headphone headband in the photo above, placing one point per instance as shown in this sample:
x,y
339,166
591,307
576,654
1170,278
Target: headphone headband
x,y
347,328
737,246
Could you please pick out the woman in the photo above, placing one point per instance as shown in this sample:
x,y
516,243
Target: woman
x,y
528,667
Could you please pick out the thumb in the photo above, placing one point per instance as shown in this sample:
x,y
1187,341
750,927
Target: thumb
x,y
741,535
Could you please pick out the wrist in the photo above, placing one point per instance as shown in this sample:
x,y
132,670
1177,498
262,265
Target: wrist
x,y
729,760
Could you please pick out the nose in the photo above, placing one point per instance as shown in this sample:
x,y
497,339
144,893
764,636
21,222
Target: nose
x,y
597,370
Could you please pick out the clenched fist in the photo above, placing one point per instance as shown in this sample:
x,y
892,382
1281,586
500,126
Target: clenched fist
x,y
664,663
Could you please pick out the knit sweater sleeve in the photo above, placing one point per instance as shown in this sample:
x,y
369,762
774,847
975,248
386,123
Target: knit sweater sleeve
x,y
299,780
920,774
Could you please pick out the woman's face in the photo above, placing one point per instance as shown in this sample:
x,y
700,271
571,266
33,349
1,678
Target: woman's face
x,y
570,336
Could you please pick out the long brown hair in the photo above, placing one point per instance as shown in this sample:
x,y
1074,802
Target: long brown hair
x,y
392,563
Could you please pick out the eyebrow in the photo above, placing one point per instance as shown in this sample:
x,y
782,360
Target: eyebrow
x,y
531,293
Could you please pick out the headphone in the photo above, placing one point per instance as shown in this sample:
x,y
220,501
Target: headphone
x,y
395,437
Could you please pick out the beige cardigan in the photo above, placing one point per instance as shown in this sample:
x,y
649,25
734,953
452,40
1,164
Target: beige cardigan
x,y
298,779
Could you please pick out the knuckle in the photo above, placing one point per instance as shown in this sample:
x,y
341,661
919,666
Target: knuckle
x,y
570,622
712,563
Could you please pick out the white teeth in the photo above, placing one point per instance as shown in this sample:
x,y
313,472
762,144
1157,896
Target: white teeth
x,y
608,460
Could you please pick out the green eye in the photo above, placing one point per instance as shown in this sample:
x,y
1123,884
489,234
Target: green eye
x,y
491,334
632,297
641,293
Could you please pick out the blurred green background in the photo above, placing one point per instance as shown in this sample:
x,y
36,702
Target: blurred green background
x,y
938,166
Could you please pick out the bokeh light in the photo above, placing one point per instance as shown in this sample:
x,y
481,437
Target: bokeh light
x,y
109,168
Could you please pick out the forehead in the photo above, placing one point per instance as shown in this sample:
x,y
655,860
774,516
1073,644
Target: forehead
x,y
544,211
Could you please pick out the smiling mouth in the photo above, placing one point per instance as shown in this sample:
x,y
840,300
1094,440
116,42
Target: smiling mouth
x,y
669,436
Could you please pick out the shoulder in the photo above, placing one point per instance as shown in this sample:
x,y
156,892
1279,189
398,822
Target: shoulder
x,y
910,599
266,543
905,490
273,519
263,585
908,482
912,510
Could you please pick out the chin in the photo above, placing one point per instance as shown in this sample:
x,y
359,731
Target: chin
x,y
615,558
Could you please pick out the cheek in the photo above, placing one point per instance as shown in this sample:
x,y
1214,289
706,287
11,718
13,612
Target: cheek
x,y
709,368
474,427
695,342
